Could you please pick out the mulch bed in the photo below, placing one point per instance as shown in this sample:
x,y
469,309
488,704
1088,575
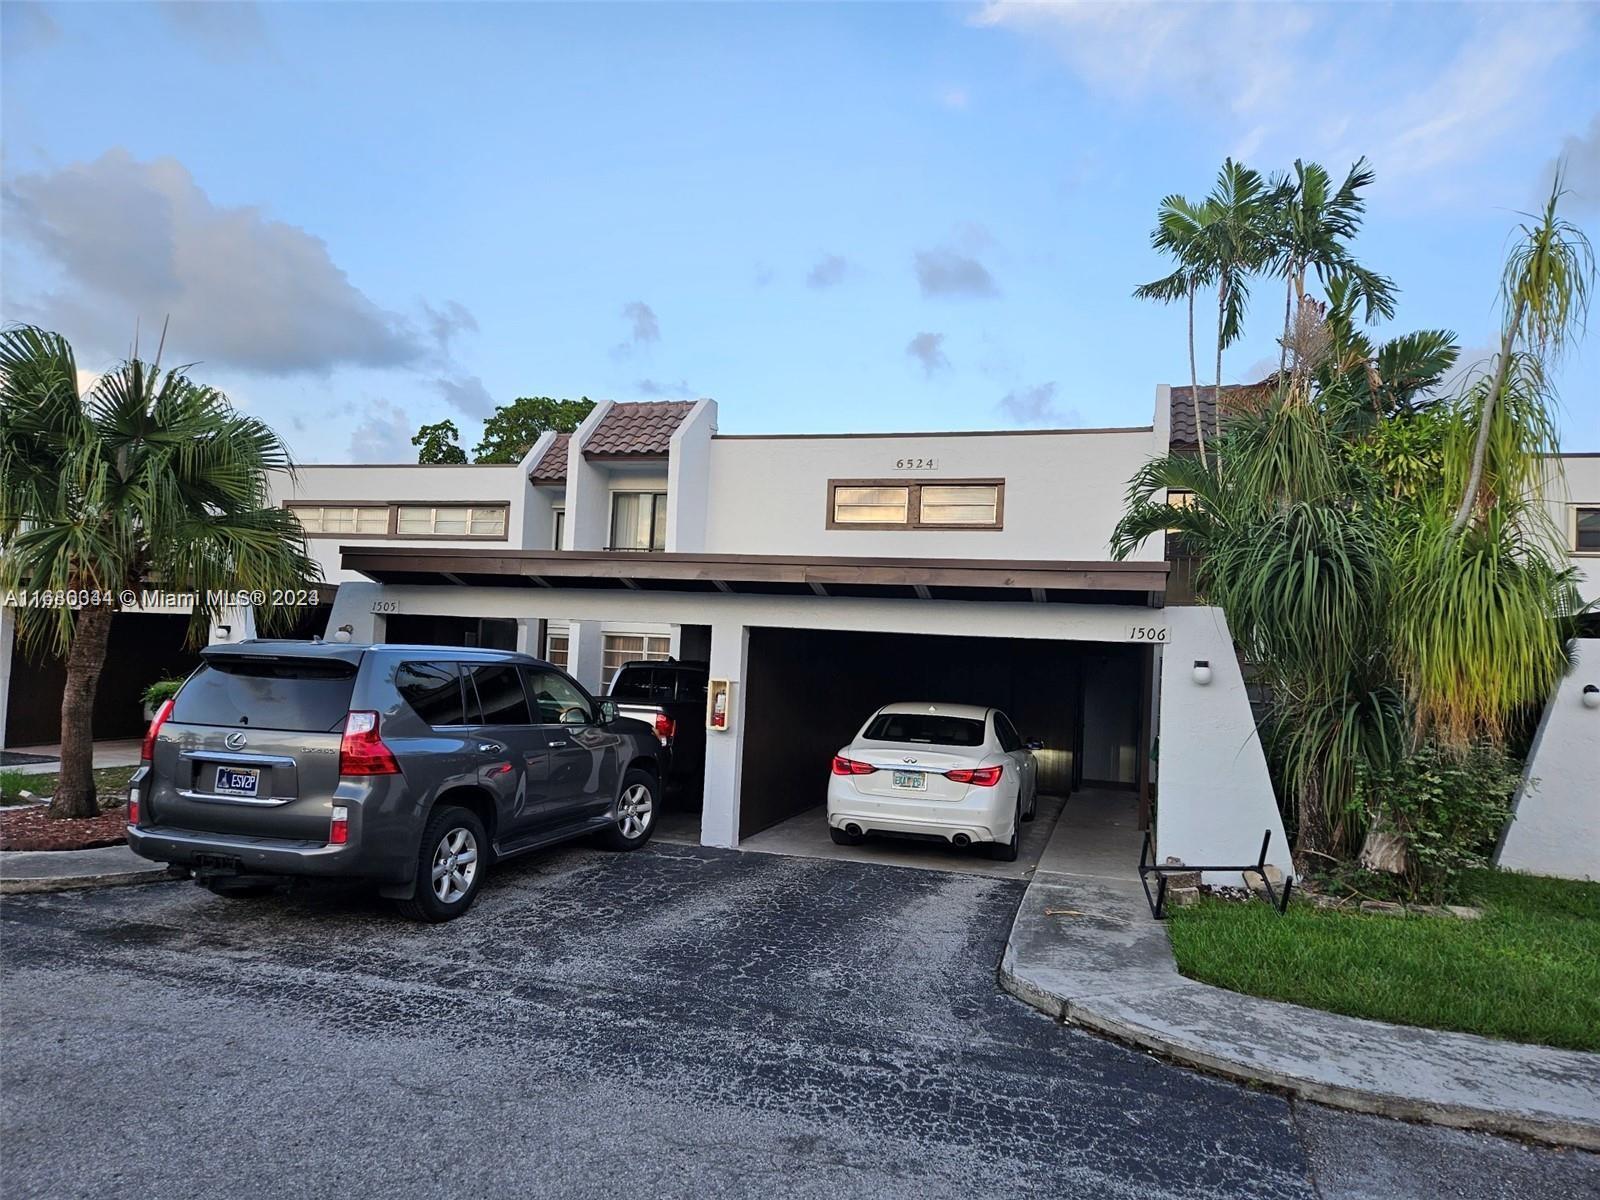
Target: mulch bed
x,y
30,828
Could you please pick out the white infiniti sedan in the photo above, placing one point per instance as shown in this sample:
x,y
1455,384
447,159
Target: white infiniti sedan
x,y
958,773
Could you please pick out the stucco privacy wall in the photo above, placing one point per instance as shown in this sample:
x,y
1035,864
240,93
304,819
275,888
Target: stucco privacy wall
x,y
1555,823
408,483
1063,492
1215,798
1580,485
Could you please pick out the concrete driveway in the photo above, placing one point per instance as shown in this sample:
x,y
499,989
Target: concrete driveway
x,y
676,1022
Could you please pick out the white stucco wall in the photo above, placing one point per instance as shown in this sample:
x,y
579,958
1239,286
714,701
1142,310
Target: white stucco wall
x,y
1215,798
406,483
1063,493
588,501
1578,482
689,479
1555,825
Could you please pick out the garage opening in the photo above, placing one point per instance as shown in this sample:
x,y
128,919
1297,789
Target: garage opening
x,y
809,691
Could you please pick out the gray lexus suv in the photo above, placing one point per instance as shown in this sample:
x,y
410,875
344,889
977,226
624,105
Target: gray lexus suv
x,y
413,767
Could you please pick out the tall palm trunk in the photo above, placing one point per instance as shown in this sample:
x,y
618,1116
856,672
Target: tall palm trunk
x,y
1486,419
75,793
1222,324
1194,379
1288,303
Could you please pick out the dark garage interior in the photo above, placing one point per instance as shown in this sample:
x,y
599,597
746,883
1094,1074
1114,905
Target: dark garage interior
x,y
809,691
144,647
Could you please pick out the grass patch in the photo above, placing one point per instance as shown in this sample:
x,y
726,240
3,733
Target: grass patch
x,y
111,783
1528,971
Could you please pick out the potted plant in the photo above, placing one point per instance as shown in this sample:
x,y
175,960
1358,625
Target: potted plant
x,y
157,694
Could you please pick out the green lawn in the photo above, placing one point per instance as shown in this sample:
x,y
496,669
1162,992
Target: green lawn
x,y
1528,971
110,782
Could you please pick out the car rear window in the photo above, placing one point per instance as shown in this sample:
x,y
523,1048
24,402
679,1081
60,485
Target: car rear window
x,y
267,693
642,683
927,729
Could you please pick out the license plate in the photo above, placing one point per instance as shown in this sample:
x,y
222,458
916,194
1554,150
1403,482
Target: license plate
x,y
910,779
238,781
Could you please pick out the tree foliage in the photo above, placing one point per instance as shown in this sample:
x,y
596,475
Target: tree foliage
x,y
514,427
439,443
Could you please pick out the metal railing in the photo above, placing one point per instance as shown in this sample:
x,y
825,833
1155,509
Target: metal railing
x,y
1158,901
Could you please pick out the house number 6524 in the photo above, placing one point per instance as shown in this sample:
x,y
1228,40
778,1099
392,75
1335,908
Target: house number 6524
x,y
916,464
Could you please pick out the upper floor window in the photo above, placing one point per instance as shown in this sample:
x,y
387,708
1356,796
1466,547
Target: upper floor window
x,y
638,521
892,504
450,520
560,522
337,518
1586,528
401,520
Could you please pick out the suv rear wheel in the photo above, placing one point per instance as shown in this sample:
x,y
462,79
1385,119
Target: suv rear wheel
x,y
637,807
450,865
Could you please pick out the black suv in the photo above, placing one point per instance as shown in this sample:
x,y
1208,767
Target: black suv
x,y
670,697
414,767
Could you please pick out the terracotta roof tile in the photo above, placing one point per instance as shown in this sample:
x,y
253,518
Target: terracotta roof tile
x,y
1235,396
553,466
644,428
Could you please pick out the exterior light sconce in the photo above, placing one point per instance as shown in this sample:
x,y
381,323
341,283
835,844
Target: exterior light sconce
x,y
224,632
1591,696
1202,671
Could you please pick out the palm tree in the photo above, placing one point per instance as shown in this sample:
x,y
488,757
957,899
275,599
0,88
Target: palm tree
x,y
149,476
1545,290
1181,231
1236,247
1312,222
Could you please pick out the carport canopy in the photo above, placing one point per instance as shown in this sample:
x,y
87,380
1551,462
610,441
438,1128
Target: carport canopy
x,y
1043,582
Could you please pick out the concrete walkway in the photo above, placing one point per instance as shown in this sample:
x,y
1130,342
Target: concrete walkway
x,y
1085,949
118,752
60,870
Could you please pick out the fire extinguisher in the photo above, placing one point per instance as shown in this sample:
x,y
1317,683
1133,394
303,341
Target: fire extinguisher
x,y
719,711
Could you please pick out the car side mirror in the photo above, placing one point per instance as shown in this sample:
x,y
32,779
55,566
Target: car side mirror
x,y
1035,744
608,711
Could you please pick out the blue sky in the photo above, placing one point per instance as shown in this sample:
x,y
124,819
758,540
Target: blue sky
x,y
362,217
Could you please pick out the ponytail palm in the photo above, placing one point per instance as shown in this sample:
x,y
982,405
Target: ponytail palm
x,y
147,479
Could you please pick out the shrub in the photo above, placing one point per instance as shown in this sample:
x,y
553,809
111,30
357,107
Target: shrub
x,y
161,691
1447,808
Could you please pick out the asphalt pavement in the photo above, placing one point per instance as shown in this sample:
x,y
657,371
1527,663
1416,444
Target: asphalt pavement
x,y
675,1022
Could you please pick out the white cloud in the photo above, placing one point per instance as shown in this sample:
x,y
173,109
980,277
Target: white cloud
x,y
1037,405
1329,82
137,244
945,271
466,393
383,434
1580,160
828,271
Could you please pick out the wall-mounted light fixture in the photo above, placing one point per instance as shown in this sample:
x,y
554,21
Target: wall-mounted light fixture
x,y
1202,671
224,632
1591,696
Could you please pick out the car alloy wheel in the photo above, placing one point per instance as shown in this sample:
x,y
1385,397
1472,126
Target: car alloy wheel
x,y
635,810
455,865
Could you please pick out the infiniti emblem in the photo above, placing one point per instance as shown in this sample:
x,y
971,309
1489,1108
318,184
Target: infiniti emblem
x,y
234,741
909,760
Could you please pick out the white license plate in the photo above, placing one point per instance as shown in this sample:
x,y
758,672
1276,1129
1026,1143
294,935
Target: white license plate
x,y
238,781
911,779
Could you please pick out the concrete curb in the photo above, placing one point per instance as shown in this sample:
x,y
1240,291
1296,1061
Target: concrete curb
x,y
28,872
1231,1035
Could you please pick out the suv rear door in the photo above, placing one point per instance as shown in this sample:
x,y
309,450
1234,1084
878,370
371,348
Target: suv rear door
x,y
252,747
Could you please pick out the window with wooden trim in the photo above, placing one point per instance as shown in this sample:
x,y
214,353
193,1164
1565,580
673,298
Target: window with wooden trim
x,y
342,518
450,520
555,649
919,504
638,521
1586,528
622,648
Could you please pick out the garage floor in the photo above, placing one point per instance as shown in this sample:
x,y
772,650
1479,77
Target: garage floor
x,y
806,835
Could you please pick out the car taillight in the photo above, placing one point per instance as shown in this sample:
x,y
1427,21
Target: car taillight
x,y
361,750
147,750
133,806
339,827
849,766
976,776
666,728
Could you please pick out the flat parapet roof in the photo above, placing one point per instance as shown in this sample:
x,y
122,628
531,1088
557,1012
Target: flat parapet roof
x,y
1040,581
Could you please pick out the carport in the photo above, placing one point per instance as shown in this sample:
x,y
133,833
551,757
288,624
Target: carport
x,y
812,645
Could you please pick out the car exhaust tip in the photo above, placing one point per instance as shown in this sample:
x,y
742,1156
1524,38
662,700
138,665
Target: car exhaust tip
x,y
962,841
853,829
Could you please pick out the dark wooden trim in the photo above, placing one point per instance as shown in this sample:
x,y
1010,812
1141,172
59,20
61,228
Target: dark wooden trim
x,y
943,433
645,459
616,565
393,508
914,519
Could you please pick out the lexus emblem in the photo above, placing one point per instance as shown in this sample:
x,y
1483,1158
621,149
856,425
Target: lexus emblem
x,y
234,741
